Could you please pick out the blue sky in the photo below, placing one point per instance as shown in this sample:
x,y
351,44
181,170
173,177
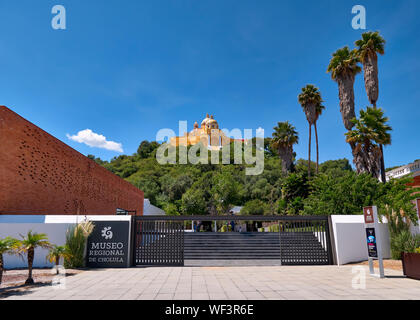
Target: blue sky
x,y
125,69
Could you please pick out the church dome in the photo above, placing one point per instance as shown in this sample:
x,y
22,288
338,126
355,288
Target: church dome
x,y
204,122
212,123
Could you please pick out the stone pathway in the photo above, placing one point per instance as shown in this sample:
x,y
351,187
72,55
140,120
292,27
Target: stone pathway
x,y
234,283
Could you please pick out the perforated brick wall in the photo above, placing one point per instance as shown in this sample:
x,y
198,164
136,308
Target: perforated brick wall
x,y
39,174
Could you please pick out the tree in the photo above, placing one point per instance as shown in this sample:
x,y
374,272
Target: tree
x,y
294,189
7,246
311,102
254,207
224,191
397,204
368,47
371,129
344,68
319,108
146,148
148,183
175,186
284,137
344,194
194,202
330,165
27,246
55,254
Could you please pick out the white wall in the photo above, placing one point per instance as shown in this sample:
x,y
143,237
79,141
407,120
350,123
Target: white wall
x,y
54,226
415,229
350,239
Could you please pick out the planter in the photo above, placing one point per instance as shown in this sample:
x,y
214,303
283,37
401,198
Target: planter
x,y
411,265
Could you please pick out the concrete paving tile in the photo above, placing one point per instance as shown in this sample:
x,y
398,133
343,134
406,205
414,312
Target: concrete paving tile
x,y
149,296
217,296
200,296
270,294
253,295
182,296
164,296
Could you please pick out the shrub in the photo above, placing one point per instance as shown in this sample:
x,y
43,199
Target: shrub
x,y
76,244
404,242
254,208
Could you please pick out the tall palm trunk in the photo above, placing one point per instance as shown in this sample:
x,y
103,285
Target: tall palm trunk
x,y
31,254
317,149
346,96
309,151
57,263
366,158
383,173
357,158
286,156
370,66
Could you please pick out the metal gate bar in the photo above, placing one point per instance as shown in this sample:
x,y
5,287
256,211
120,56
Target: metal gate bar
x,y
159,242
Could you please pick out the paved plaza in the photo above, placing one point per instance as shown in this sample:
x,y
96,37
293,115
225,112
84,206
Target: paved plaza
x,y
233,283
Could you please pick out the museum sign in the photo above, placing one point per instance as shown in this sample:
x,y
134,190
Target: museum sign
x,y
108,245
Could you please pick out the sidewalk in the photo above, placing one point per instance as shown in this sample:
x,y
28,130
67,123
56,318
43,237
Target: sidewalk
x,y
236,283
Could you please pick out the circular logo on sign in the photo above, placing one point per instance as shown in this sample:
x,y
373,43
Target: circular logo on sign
x,y
107,233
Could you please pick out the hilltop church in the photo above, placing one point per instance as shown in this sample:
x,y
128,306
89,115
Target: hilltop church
x,y
208,133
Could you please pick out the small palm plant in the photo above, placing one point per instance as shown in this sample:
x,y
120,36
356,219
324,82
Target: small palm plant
x,y
7,246
55,254
27,246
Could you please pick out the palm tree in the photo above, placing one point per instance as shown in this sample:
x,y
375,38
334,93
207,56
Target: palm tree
x,y
310,100
370,130
55,254
344,68
319,108
7,246
284,137
28,244
368,47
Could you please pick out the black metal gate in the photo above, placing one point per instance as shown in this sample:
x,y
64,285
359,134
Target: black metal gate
x,y
158,242
305,241
302,240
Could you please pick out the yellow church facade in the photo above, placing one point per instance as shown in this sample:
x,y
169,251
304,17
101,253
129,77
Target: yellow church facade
x,y
208,133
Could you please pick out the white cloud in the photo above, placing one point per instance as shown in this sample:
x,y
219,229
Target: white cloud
x,y
95,140
260,132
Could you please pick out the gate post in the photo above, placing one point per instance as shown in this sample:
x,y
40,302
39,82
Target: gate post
x,y
332,251
133,241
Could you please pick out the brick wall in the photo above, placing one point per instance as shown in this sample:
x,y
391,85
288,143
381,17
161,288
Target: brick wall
x,y
39,174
